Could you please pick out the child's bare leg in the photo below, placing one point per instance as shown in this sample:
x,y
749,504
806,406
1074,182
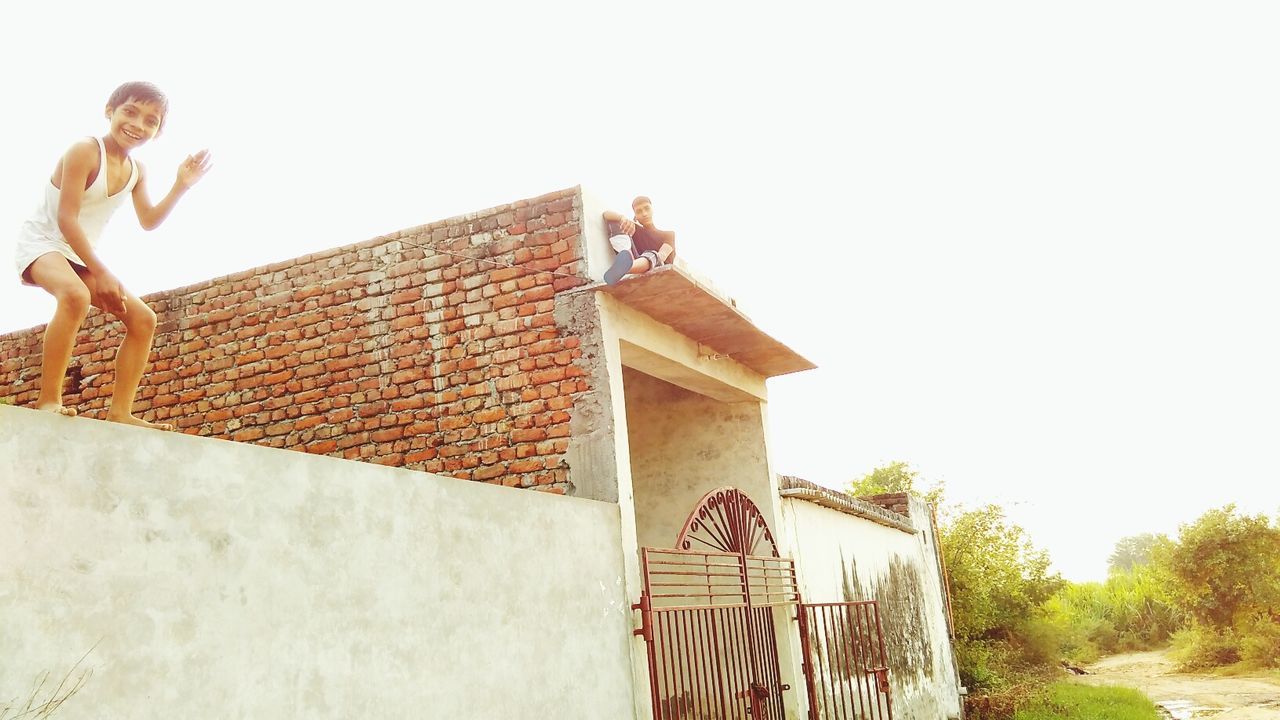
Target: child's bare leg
x,y
54,274
131,360
645,263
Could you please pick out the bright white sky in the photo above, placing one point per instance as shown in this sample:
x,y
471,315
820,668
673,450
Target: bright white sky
x,y
1031,246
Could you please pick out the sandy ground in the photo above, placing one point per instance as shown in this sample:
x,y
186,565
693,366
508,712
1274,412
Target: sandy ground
x,y
1189,696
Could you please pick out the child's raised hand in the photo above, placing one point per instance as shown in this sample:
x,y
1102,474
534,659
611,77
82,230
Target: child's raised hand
x,y
194,168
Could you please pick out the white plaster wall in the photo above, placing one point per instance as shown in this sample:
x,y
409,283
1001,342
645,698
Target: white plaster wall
x,y
683,445
830,545
219,580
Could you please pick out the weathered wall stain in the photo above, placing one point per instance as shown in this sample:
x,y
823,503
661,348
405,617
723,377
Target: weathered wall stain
x,y
906,630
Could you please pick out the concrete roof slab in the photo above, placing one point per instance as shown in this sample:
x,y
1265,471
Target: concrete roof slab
x,y
675,297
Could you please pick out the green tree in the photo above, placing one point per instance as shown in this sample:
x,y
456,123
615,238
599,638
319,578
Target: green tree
x,y
1226,567
896,477
1133,551
998,578
999,584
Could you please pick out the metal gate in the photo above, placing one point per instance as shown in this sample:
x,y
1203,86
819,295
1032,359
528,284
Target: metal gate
x,y
707,615
845,663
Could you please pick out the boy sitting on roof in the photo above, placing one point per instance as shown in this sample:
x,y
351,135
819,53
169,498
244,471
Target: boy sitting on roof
x,y
640,246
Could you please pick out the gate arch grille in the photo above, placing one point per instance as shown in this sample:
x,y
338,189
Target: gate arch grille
x,y
707,615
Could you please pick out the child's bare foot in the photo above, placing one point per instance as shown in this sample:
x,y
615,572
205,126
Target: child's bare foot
x,y
58,408
138,422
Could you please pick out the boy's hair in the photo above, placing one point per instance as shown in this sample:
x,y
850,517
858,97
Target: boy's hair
x,y
142,92
641,199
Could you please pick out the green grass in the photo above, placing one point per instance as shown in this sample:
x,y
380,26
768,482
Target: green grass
x,y
1068,701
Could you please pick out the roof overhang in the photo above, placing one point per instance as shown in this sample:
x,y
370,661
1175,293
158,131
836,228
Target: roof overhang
x,y
673,296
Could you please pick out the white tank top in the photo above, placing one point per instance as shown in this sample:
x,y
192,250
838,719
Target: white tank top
x,y
95,209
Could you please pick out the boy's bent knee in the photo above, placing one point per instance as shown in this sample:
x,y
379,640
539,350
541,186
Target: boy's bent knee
x,y
139,317
74,299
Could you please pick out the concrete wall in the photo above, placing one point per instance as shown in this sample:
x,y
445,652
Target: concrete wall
x,y
683,445
842,558
208,579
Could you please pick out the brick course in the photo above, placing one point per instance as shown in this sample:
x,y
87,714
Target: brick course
x,y
378,351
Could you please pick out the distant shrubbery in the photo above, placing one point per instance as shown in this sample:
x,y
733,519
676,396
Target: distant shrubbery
x,y
1213,593
1132,610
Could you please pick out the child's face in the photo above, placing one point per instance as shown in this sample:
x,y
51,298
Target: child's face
x,y
644,212
134,122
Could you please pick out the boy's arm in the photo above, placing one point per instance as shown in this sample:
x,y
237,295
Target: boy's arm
x,y
76,166
189,173
628,225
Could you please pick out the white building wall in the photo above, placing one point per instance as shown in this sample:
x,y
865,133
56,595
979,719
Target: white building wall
x,y
841,558
209,579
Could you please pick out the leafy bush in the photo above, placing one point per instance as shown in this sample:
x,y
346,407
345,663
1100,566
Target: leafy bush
x,y
1199,647
1260,642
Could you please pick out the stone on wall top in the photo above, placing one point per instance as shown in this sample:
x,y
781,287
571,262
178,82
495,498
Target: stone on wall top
x,y
800,489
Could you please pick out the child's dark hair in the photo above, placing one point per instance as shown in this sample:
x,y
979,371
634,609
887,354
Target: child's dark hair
x,y
639,200
142,92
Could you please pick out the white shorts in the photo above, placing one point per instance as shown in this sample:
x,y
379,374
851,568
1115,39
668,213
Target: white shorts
x,y
30,249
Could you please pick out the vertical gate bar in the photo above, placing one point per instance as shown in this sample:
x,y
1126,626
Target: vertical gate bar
x,y
746,594
884,660
771,662
753,676
860,650
868,644
868,660
829,687
682,642
848,629
856,676
708,690
711,619
762,663
663,659
700,638
776,662
833,665
877,651
652,645
700,633
691,637
708,660
673,647
864,660
876,658
850,661
646,624
691,657
740,672
733,644
835,656
681,662
718,664
806,651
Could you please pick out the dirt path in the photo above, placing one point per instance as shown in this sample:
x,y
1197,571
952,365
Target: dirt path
x,y
1189,696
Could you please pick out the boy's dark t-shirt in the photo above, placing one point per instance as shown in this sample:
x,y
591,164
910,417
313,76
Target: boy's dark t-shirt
x,y
646,239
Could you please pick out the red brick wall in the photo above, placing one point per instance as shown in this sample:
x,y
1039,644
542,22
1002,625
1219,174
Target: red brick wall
x,y
377,351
